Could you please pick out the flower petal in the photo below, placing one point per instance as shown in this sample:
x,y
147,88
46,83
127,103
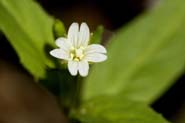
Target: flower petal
x,y
95,57
59,53
83,68
95,48
84,35
63,43
73,67
73,34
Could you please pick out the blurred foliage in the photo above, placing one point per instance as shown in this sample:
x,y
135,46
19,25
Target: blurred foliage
x,y
59,29
96,37
29,30
116,110
144,59
64,86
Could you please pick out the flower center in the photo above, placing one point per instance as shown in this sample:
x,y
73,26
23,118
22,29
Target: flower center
x,y
77,54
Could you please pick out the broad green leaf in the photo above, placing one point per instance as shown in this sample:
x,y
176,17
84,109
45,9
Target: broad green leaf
x,y
29,30
144,58
116,110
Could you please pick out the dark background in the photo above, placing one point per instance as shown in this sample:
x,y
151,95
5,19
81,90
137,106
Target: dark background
x,y
111,13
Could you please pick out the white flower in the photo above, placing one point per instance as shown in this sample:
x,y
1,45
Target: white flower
x,y
76,51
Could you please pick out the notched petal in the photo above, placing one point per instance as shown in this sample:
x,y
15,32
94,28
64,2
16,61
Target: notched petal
x,y
84,35
60,41
95,48
73,33
83,68
95,57
73,67
63,43
59,53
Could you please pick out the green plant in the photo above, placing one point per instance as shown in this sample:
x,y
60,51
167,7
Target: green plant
x,y
144,59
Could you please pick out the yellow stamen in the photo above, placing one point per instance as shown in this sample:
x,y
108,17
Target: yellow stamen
x,y
77,54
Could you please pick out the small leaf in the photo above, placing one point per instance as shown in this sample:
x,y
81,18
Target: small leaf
x,y
59,28
97,35
116,110
29,30
144,58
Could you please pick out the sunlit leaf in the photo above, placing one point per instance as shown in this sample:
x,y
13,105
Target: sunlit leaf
x,y
29,30
116,110
144,58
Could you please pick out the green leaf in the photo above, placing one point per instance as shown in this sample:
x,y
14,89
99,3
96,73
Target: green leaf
x,y
97,35
29,30
144,58
116,110
59,29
